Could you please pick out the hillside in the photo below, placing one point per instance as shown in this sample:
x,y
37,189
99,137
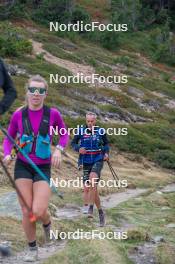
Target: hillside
x,y
145,105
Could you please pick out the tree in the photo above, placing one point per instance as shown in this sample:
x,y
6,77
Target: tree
x,y
127,11
53,10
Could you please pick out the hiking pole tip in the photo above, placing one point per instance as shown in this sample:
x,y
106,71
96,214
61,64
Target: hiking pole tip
x,y
60,195
32,218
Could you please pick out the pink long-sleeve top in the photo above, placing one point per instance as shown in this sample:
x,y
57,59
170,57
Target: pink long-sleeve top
x,y
35,117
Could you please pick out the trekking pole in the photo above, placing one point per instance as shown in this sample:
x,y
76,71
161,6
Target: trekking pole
x,y
31,216
114,174
35,167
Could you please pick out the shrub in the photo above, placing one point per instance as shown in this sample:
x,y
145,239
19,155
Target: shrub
x,y
13,44
165,158
109,40
53,10
80,14
123,60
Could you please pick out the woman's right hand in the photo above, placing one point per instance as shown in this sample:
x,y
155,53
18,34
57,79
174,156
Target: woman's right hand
x,y
7,160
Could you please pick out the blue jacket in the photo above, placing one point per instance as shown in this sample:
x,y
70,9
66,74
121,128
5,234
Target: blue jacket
x,y
95,144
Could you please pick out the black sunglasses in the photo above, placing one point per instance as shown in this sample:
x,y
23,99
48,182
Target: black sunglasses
x,y
41,91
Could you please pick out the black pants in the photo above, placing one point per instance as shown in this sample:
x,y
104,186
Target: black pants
x,y
26,171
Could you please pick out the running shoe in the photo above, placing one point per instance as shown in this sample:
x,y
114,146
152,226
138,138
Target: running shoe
x,y
31,255
85,209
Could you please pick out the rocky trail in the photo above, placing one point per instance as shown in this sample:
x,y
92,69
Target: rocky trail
x,y
133,93
9,207
43,252
143,254
125,167
73,67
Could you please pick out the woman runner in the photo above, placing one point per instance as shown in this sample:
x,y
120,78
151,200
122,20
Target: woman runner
x,y
31,125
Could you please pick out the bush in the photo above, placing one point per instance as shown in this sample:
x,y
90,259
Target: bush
x,y
162,46
135,142
53,10
109,40
123,60
80,14
165,158
13,44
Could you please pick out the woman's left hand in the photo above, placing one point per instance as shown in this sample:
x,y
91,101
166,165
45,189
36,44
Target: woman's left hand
x,y
56,158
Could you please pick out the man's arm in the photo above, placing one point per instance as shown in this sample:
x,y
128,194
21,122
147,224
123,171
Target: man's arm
x,y
105,144
8,87
75,143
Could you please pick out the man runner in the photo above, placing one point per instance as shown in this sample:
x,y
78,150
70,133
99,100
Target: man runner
x,y
93,149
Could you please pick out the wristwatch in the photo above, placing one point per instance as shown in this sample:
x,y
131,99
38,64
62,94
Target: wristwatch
x,y
60,148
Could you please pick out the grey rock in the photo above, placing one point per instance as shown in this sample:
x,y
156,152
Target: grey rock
x,y
158,239
171,225
68,46
9,205
138,75
165,208
15,70
135,92
143,254
169,188
70,113
154,104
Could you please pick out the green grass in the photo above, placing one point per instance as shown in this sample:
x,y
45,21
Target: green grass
x,y
146,214
61,52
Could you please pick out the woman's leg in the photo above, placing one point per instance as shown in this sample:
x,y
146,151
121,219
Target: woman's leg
x,y
26,188
41,196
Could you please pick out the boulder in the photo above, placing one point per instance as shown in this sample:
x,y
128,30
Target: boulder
x,y
135,92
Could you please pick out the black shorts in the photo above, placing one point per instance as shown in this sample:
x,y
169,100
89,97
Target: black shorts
x,y
94,167
26,171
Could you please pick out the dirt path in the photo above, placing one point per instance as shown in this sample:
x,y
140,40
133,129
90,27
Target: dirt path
x,y
68,212
109,201
9,206
73,67
74,212
43,252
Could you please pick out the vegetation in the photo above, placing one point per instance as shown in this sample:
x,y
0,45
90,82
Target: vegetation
x,y
156,17
12,43
150,40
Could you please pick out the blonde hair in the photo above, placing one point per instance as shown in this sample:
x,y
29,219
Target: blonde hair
x,y
37,78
